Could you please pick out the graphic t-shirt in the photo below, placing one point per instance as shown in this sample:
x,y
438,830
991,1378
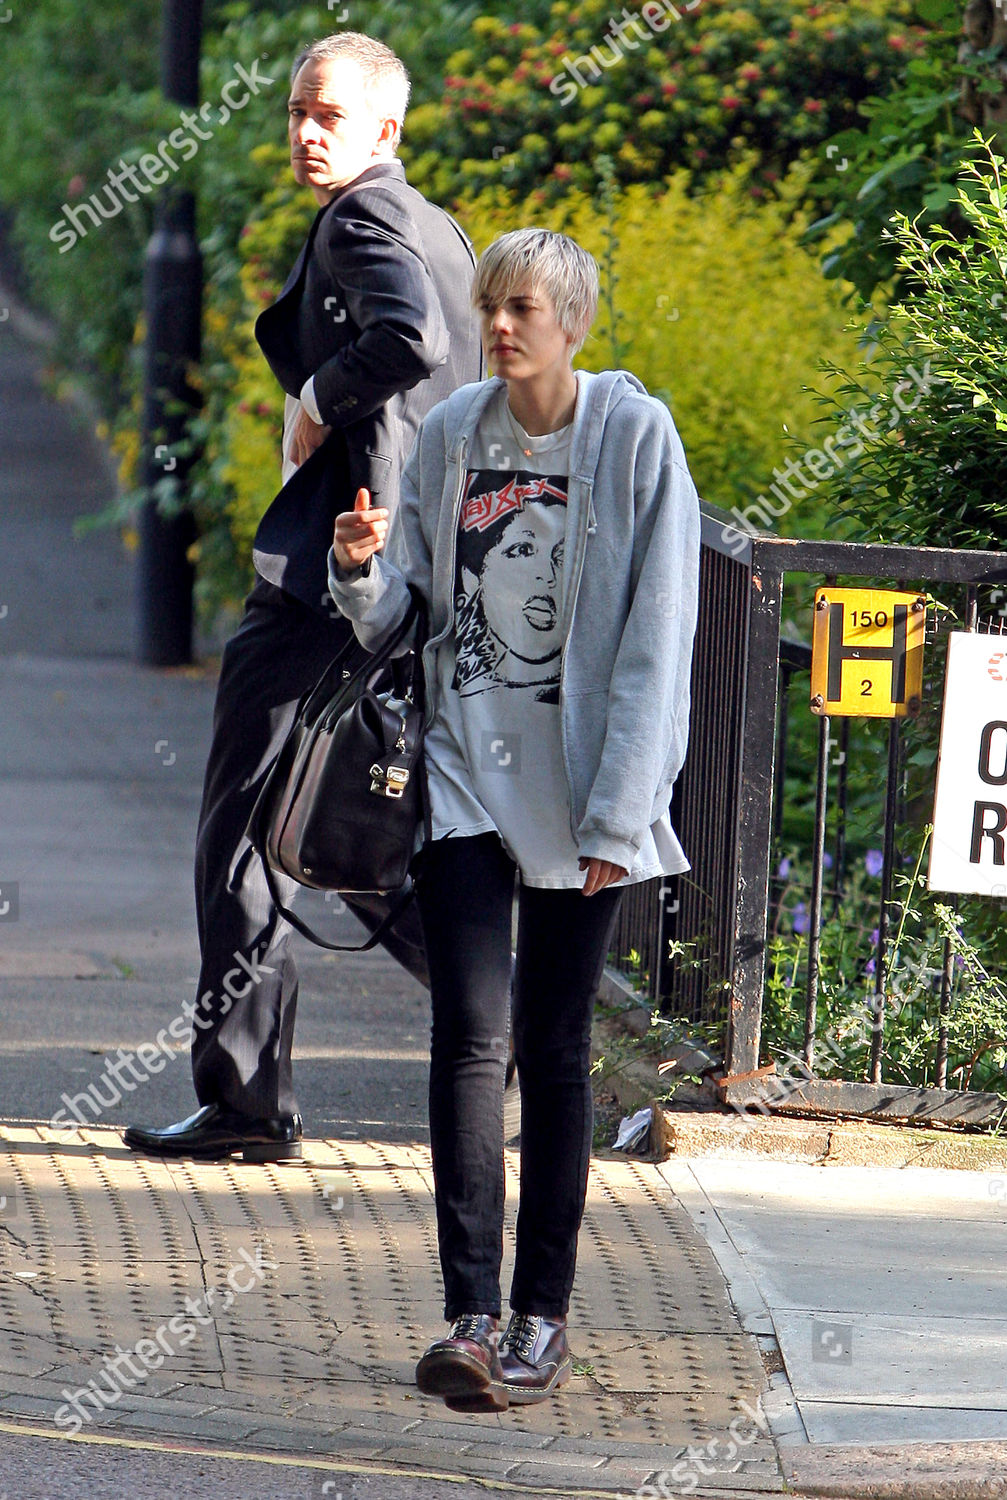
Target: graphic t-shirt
x,y
494,754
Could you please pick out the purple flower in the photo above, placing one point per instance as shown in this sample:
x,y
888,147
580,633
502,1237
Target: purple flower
x,y
871,967
801,920
874,862
827,860
875,935
783,873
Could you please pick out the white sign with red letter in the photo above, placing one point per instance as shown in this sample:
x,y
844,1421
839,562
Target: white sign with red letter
x,y
968,851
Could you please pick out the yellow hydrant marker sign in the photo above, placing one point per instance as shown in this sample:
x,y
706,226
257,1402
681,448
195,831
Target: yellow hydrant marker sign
x,y
867,653
968,850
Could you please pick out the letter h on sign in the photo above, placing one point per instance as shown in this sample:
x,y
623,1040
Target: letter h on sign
x,y
895,653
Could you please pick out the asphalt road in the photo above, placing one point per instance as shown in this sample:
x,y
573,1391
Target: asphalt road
x,y
53,1469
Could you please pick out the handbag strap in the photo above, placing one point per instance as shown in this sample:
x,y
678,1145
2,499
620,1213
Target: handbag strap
x,y
302,927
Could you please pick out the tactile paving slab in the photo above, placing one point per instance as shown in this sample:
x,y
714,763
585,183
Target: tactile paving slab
x,y
285,1307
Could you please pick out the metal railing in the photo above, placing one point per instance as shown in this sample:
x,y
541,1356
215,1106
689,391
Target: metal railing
x,y
728,806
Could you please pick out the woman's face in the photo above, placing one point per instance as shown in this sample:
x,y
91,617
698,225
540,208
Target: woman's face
x,y
520,578
522,338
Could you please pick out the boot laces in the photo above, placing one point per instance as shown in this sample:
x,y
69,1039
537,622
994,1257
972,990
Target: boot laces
x,y
466,1327
522,1333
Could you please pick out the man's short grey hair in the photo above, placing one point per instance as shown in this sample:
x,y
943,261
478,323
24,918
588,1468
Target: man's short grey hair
x,y
384,74
539,258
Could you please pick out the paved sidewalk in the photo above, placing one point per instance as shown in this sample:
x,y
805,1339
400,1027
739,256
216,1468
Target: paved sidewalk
x,y
883,1289
284,1308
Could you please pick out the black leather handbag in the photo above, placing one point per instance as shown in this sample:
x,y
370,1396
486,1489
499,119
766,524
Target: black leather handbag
x,y
341,805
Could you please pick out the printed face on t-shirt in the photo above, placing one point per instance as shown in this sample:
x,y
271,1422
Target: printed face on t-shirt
x,y
520,581
509,579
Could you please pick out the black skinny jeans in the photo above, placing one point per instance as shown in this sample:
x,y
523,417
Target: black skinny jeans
x,y
465,889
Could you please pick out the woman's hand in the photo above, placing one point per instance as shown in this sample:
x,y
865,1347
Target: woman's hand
x,y
360,532
600,873
307,436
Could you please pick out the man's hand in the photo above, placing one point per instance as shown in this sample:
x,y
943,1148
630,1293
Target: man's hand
x,y
360,532
600,873
306,437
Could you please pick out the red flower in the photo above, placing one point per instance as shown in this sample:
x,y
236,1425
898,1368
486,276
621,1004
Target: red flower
x,y
750,73
730,101
75,186
813,106
898,42
668,89
643,100
562,171
515,28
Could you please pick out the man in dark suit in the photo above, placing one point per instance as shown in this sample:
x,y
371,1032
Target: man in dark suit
x,y
372,328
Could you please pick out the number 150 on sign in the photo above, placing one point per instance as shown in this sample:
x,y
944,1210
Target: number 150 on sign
x,y
867,653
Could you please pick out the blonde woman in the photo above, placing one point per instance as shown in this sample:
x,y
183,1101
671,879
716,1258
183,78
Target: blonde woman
x,y
549,519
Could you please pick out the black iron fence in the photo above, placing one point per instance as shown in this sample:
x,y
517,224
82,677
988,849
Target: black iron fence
x,y
697,944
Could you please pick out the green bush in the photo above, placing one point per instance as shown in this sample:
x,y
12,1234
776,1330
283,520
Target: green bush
x,y
718,307
939,476
903,156
770,76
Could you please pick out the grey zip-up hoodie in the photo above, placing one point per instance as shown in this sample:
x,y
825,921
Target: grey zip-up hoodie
x,y
630,589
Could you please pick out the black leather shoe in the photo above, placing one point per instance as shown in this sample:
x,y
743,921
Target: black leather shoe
x,y
535,1357
464,1368
215,1133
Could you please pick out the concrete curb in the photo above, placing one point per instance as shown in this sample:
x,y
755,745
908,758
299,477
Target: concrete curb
x,y
846,1143
923,1471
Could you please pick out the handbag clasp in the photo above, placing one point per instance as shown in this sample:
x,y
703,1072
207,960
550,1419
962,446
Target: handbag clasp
x,y
389,781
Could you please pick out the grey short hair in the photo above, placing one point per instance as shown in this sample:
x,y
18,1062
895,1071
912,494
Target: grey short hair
x,y
384,73
541,258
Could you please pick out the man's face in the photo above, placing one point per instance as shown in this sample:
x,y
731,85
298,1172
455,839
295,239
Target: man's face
x,y
334,132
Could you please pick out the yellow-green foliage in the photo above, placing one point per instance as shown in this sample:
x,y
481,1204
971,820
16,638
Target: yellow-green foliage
x,y
718,309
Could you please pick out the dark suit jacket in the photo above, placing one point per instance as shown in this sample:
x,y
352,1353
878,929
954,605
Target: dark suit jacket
x,y
377,309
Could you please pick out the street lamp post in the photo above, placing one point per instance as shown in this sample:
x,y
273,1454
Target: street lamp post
x,y
173,285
